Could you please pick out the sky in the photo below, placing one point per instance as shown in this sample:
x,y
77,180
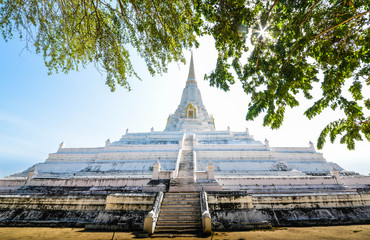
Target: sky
x,y
38,111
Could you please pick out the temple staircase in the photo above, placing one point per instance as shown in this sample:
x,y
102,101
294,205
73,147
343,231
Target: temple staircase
x,y
179,215
185,178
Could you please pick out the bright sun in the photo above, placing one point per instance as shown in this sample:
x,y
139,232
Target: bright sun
x,y
262,31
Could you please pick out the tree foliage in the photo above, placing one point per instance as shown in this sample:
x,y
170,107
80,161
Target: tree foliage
x,y
73,33
277,48
292,43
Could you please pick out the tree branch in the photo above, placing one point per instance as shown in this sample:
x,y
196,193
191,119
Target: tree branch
x,y
349,19
258,55
268,13
309,13
136,9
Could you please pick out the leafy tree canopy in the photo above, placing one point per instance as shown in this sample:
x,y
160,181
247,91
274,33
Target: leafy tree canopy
x,y
73,33
277,49
292,41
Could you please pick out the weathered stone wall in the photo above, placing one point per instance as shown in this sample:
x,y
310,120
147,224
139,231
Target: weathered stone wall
x,y
356,180
138,202
238,210
69,203
119,211
97,182
12,182
229,181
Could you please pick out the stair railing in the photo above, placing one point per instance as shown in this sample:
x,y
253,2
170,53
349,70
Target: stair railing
x,y
194,165
206,216
179,158
151,218
194,159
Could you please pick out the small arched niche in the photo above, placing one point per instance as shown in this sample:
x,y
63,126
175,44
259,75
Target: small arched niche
x,y
190,111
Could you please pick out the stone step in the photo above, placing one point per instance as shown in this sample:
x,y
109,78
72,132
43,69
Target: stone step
x,y
178,231
179,185
182,194
178,189
183,183
185,170
181,199
189,215
195,201
176,210
195,217
180,222
179,209
178,196
187,161
182,215
189,181
170,210
174,235
180,218
182,205
186,175
179,227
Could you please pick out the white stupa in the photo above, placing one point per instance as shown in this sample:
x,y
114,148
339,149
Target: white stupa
x,y
228,154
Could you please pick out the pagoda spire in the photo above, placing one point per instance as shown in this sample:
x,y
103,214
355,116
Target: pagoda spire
x,y
190,115
191,76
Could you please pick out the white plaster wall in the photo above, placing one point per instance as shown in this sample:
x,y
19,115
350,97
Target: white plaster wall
x,y
112,156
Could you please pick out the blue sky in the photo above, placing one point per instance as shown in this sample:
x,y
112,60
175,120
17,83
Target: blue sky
x,y
38,111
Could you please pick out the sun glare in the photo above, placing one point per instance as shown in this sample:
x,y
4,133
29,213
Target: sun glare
x,y
262,31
